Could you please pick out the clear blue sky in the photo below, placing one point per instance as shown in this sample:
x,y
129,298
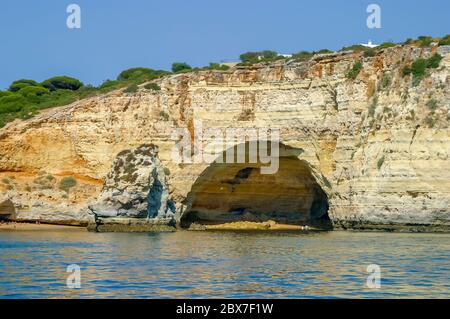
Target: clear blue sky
x,y
117,34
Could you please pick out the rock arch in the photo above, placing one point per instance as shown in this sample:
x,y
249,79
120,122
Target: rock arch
x,y
230,192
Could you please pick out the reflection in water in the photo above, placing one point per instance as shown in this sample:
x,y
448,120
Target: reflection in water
x,y
223,264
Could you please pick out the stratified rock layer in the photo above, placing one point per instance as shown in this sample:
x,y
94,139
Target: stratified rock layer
x,y
378,145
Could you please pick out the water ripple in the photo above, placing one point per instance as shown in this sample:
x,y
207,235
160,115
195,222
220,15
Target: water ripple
x,y
224,265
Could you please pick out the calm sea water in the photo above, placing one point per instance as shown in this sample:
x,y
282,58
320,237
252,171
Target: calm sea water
x,y
223,264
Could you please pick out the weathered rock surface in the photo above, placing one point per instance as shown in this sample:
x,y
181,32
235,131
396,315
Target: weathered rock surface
x,y
136,186
135,196
378,146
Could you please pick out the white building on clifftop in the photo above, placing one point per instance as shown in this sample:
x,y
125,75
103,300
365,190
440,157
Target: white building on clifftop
x,y
369,44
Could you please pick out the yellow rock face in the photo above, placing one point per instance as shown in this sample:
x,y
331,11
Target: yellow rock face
x,y
372,146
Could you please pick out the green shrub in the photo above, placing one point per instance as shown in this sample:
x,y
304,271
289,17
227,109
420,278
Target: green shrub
x,y
133,88
67,183
259,56
30,97
445,40
217,66
432,105
27,113
418,68
110,85
373,107
140,75
31,91
430,120
354,47
354,72
302,55
246,63
380,162
62,82
164,116
5,93
152,86
324,51
425,40
57,98
368,52
12,103
5,180
434,61
268,54
20,84
386,45
387,109
249,56
87,91
166,171
134,74
43,182
386,81
180,66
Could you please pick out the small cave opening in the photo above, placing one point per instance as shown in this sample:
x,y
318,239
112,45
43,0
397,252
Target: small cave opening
x,y
7,211
226,193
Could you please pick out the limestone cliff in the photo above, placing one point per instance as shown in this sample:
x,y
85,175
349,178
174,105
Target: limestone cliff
x,y
373,150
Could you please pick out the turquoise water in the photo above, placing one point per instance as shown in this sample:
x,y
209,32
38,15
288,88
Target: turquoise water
x,y
223,264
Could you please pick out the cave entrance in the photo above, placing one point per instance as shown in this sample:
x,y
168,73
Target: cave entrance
x,y
226,193
7,211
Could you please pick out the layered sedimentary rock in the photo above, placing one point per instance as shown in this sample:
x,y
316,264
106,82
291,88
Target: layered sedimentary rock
x,y
377,146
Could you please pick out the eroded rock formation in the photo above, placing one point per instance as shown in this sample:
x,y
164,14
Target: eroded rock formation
x,y
241,192
377,146
136,187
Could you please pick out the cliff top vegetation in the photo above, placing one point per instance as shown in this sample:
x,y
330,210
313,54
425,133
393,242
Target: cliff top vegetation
x,y
25,97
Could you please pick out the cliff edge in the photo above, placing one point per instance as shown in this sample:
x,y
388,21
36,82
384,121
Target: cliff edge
x,y
364,144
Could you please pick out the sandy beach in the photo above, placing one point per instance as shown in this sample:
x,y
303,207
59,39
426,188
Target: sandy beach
x,y
269,225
